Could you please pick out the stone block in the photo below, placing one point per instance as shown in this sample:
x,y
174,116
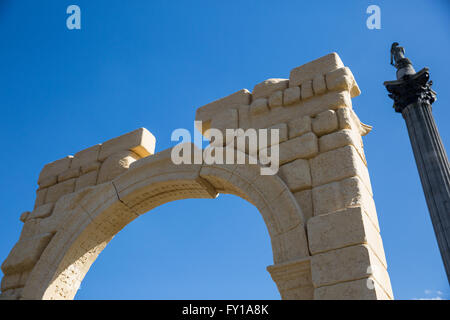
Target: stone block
x,y
259,106
227,119
69,174
319,85
310,70
293,279
86,180
348,264
305,147
339,139
349,120
86,156
296,175
268,87
25,253
291,95
346,120
42,211
48,181
11,294
307,90
208,111
90,166
276,99
54,168
140,141
339,164
58,190
10,281
350,192
290,245
343,229
325,122
115,165
299,126
282,132
304,199
362,289
342,79
40,197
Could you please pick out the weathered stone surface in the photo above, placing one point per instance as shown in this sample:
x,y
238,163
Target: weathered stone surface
x,y
58,190
325,122
86,180
10,281
342,79
290,245
42,211
140,141
115,165
259,106
282,131
276,99
227,119
48,181
291,95
307,90
346,120
319,85
296,175
339,195
352,290
86,156
25,253
305,146
337,165
11,294
299,126
311,107
54,168
293,279
90,166
207,112
40,197
342,229
304,199
348,264
268,87
339,139
69,174
310,70
349,120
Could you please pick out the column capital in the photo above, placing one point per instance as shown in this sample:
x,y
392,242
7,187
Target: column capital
x,y
411,89
293,279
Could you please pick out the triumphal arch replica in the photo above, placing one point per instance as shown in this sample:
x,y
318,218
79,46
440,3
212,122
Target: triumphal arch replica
x,y
318,208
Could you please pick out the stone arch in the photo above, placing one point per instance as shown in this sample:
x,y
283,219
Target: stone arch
x,y
318,208
99,212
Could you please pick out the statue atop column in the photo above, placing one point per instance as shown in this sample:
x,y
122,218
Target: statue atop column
x,y
403,64
409,86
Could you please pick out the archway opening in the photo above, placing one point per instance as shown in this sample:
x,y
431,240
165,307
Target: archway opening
x,y
189,249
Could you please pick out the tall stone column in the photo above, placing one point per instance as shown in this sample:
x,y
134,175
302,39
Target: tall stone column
x,y
413,96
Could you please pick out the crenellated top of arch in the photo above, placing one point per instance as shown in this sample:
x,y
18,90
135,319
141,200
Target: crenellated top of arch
x,y
312,88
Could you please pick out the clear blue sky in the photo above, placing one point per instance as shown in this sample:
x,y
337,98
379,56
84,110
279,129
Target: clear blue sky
x,y
151,64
